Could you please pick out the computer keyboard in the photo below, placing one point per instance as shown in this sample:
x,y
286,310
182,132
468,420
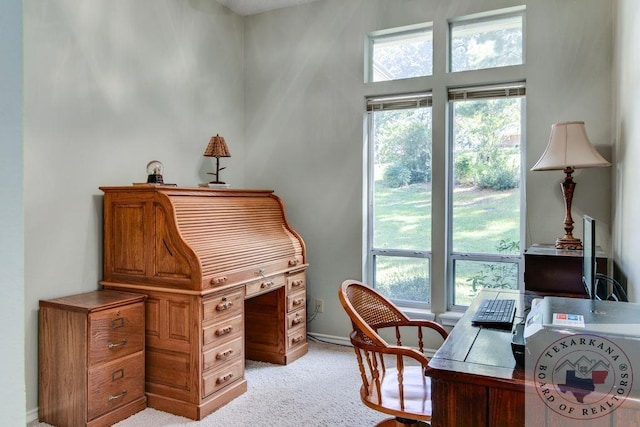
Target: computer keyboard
x,y
497,313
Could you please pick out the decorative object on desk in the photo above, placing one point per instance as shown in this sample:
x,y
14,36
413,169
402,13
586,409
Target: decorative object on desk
x,y
568,149
217,148
154,172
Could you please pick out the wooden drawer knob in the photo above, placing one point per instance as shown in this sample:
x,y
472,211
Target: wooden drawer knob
x,y
265,285
224,354
225,305
298,301
224,331
218,280
293,262
224,379
297,283
296,340
297,320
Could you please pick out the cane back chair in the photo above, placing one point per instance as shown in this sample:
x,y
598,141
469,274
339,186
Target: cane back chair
x,y
393,376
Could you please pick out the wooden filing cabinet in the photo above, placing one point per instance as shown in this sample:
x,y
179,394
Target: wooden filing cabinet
x,y
91,358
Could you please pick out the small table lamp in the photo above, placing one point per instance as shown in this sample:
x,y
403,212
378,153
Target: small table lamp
x,y
217,148
568,149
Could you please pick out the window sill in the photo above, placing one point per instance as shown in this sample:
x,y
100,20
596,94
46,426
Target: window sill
x,y
450,318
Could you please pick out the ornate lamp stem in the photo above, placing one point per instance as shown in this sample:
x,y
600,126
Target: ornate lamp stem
x,y
568,241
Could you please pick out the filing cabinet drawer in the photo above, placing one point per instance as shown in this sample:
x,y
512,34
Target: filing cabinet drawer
x,y
217,356
264,285
223,305
296,282
296,300
115,333
221,378
115,384
223,331
296,319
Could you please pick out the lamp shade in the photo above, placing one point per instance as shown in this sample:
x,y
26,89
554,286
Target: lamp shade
x,y
569,146
217,148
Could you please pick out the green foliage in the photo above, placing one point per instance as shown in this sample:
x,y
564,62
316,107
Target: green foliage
x,y
405,287
501,275
397,175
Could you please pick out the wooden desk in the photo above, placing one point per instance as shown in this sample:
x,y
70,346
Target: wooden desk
x,y
474,377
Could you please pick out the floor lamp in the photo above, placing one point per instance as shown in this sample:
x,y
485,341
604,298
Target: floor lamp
x,y
568,149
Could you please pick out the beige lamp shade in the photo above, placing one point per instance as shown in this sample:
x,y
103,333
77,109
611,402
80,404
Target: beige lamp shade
x,y
569,146
217,147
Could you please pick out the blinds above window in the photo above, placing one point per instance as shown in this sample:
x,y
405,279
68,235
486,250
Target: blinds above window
x,y
486,92
400,102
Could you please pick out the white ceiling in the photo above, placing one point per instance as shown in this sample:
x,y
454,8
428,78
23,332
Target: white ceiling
x,y
251,7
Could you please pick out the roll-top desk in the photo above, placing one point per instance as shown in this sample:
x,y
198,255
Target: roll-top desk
x,y
224,276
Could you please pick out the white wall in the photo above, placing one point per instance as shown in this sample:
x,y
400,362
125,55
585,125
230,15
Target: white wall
x,y
305,100
108,86
112,84
626,227
12,393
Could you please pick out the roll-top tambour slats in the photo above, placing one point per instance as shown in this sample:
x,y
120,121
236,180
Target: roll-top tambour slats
x,y
234,234
202,237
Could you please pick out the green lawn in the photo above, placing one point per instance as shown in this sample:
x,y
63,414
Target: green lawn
x,y
483,219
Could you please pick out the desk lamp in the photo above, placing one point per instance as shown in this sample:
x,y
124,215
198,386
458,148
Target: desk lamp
x,y
217,148
568,149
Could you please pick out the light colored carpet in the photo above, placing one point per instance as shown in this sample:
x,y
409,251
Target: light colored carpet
x,y
320,389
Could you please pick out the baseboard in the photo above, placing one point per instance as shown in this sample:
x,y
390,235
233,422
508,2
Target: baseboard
x,y
32,418
331,339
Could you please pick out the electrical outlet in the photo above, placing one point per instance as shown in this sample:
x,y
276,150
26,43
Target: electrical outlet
x,y
319,306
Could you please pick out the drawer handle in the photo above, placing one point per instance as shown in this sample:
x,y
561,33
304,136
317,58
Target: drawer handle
x,y
264,285
297,320
218,280
296,340
117,344
118,396
116,375
296,283
117,323
224,331
293,262
298,301
224,354
226,305
224,379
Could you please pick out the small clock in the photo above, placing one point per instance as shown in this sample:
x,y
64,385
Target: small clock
x,y
154,172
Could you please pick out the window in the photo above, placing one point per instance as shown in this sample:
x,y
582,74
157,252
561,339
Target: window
x,y
491,41
444,206
484,201
400,53
399,199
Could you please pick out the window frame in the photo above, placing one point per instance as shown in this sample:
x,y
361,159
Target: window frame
x,y
476,92
397,33
387,103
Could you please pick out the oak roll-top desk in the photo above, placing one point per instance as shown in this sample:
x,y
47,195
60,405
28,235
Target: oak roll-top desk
x,y
224,275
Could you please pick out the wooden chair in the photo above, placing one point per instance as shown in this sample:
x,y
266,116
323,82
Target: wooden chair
x,y
393,376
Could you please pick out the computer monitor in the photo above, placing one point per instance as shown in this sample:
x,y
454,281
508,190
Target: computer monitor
x,y
589,256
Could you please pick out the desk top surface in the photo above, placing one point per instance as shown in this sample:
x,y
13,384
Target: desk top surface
x,y
481,354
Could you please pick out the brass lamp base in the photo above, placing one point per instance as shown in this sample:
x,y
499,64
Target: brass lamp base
x,y
568,243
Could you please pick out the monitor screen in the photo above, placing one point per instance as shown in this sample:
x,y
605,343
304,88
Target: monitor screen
x,y
589,256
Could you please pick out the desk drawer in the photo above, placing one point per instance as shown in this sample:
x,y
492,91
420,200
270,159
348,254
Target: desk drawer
x,y
115,384
264,285
296,319
212,359
296,282
222,305
296,337
115,333
221,378
296,301
223,331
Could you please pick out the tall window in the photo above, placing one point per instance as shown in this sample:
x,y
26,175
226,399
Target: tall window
x,y
400,196
484,200
444,215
